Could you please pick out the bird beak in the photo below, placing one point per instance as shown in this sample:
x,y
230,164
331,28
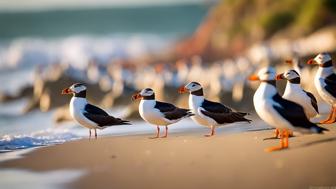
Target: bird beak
x,y
311,61
290,62
136,96
280,76
182,89
67,91
254,78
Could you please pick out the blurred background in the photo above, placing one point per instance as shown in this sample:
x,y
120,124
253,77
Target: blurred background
x,y
118,47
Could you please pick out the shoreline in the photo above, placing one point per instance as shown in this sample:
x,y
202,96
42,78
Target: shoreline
x,y
66,133
189,160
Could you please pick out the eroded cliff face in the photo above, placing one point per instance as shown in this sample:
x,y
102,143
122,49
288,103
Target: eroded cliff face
x,y
231,27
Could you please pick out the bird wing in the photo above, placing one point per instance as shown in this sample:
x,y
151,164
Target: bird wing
x,y
293,113
330,82
103,120
215,107
172,112
100,117
164,107
221,113
221,118
94,110
312,100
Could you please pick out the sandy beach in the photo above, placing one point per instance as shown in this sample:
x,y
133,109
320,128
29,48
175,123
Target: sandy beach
x,y
189,160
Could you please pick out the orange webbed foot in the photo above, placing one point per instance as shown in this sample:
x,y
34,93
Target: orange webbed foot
x,y
330,121
275,148
283,143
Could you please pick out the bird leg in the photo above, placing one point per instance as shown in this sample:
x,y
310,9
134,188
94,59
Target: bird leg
x,y
166,133
331,118
212,132
283,142
276,134
89,134
95,133
157,133
290,133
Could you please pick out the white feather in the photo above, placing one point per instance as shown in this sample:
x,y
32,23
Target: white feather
x,y
319,82
153,115
195,103
264,103
295,93
77,106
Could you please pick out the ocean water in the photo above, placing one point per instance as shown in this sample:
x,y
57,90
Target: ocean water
x,y
173,20
76,36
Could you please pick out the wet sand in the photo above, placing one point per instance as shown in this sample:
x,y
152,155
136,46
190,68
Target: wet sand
x,y
189,160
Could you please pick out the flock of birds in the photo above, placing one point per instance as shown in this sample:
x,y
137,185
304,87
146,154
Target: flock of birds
x,y
287,113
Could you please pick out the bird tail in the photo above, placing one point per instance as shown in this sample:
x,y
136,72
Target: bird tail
x,y
242,115
318,129
125,122
188,113
247,120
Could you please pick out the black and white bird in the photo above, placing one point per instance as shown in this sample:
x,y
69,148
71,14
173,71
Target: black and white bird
x,y
325,83
295,93
208,113
278,112
88,115
159,113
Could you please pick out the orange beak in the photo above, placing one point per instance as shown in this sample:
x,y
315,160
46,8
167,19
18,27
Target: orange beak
x,y
311,61
289,62
67,91
136,96
254,78
182,89
279,77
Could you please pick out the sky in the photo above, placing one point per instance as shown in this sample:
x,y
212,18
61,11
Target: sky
x,y
32,5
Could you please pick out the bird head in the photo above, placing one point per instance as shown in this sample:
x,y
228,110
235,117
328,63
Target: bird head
x,y
288,75
75,89
320,59
143,94
190,87
264,74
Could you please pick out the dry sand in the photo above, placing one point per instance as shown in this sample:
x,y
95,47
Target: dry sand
x,y
189,160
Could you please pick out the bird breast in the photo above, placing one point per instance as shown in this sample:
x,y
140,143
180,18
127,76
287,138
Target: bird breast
x,y
297,95
77,106
151,114
263,104
320,84
194,103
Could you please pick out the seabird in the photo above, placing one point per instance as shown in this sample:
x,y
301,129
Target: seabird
x,y
295,93
159,113
277,111
325,83
88,115
208,113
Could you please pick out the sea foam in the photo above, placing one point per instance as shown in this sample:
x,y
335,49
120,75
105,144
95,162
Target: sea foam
x,y
41,138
